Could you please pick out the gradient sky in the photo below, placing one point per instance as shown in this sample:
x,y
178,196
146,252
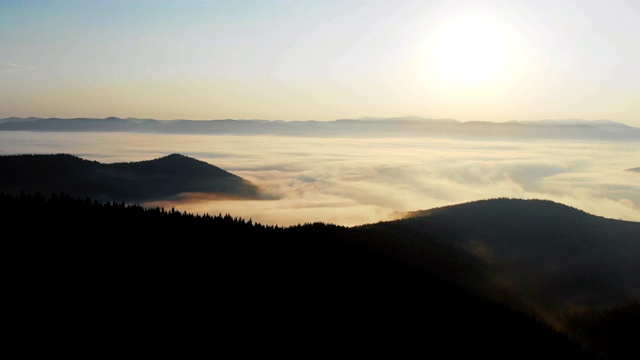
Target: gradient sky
x,y
322,60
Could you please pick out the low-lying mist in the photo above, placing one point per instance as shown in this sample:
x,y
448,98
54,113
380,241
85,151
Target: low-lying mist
x,y
355,181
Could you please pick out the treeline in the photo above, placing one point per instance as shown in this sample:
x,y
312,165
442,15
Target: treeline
x,y
113,268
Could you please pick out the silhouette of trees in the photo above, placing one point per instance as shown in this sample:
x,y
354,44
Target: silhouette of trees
x,y
109,266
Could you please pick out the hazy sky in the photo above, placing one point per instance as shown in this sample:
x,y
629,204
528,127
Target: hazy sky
x,y
323,60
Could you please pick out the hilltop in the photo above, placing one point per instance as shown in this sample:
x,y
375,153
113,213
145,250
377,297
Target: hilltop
x,y
156,179
558,255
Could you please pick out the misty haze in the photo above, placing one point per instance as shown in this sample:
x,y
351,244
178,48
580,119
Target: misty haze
x,y
352,181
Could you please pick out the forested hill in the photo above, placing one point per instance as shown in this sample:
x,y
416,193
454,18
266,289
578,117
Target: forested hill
x,y
134,181
109,268
554,258
564,254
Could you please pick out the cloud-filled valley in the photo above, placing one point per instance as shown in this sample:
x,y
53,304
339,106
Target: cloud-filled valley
x,y
354,181
381,177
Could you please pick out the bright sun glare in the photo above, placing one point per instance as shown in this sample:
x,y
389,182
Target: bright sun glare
x,y
469,51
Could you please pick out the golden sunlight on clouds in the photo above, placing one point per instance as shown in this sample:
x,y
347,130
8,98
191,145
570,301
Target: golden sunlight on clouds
x,y
356,181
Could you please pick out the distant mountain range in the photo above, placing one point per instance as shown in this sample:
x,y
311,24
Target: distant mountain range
x,y
156,179
635,169
365,127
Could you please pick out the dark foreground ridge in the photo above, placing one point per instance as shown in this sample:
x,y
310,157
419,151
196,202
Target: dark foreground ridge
x,y
131,182
559,256
112,271
565,265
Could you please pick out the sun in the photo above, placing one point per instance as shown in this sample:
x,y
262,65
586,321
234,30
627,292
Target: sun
x,y
469,51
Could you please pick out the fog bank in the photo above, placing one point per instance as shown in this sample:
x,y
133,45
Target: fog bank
x,y
356,181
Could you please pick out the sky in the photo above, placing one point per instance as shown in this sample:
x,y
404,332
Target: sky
x,y
321,60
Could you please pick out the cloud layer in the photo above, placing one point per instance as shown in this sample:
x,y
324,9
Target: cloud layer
x,y
356,181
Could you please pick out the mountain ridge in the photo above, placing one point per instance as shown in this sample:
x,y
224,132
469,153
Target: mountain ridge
x,y
363,127
155,179
547,245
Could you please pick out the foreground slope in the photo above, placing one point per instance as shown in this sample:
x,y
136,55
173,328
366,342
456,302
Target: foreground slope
x,y
577,271
563,254
311,289
135,181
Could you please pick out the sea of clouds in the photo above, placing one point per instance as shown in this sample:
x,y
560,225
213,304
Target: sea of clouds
x,y
355,181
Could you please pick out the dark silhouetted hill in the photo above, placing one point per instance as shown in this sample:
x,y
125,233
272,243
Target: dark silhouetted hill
x,y
112,271
135,181
556,254
634,169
